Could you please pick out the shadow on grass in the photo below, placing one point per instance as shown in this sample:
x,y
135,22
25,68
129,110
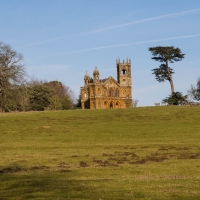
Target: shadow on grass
x,y
19,184
57,185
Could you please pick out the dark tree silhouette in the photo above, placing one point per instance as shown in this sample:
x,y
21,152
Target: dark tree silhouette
x,y
165,55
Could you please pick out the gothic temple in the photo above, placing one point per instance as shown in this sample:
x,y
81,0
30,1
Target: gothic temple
x,y
108,93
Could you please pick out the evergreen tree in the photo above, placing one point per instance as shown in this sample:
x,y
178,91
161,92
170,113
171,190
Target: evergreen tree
x,y
165,55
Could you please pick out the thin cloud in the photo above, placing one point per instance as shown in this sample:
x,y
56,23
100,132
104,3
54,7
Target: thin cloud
x,y
126,44
149,19
117,26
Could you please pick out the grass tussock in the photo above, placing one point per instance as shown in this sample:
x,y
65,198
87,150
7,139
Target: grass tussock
x,y
141,153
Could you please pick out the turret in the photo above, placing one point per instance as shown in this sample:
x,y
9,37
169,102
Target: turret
x,y
86,78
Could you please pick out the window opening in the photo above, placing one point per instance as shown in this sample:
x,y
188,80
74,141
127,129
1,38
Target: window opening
x,y
111,105
123,71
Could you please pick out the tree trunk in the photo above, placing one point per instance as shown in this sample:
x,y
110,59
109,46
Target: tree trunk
x,y
172,85
170,78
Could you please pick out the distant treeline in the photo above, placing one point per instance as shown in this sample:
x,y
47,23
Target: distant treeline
x,y
17,93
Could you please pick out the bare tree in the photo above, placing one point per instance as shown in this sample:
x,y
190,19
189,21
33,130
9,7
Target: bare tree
x,y
11,71
134,102
194,91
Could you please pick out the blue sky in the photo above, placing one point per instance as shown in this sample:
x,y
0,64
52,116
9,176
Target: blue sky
x,y
61,39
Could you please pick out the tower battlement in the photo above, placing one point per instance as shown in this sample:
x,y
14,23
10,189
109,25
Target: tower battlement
x,y
127,61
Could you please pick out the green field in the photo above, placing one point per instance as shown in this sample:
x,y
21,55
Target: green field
x,y
140,153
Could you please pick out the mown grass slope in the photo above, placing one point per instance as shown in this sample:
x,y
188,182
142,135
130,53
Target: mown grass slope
x,y
141,153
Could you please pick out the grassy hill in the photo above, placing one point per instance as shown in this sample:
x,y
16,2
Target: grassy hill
x,y
140,153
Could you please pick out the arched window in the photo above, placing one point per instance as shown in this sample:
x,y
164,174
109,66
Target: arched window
x,y
117,105
111,104
85,94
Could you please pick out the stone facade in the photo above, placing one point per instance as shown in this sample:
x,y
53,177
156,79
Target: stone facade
x,y
108,93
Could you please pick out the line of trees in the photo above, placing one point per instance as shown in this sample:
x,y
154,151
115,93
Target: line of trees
x,y
18,94
163,73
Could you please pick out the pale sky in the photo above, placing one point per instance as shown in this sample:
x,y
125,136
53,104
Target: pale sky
x,y
61,39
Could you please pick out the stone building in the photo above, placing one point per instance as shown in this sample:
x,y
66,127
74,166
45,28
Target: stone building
x,y
108,93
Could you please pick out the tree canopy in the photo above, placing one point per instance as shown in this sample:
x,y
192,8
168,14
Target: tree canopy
x,y
165,55
11,72
176,98
16,94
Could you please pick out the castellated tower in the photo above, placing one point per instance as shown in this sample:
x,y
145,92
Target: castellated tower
x,y
124,72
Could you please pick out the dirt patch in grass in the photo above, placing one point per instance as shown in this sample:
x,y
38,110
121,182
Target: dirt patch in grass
x,y
189,156
105,163
119,158
74,156
19,169
83,164
65,170
97,161
108,155
182,148
40,168
143,161
133,155
11,170
145,147
152,158
63,165
112,159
